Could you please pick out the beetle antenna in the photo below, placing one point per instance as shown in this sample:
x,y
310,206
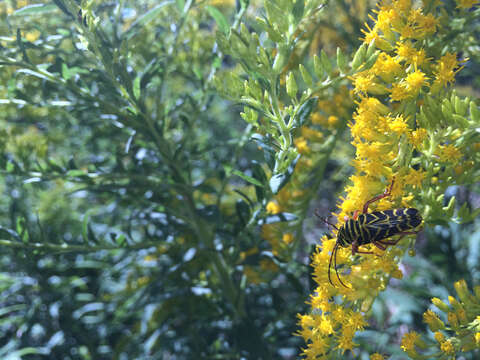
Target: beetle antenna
x,y
317,214
335,264
334,251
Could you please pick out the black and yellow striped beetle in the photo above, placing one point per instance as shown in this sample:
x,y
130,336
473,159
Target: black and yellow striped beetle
x,y
373,228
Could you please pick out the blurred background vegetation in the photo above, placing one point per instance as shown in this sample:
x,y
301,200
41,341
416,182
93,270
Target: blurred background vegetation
x,y
137,221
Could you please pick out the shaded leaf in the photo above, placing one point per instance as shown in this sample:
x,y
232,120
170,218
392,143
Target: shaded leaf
x,y
34,9
221,21
280,217
243,211
278,181
247,178
146,18
305,110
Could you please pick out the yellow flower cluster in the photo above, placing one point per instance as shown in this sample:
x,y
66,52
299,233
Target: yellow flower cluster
x,y
385,135
336,323
466,4
460,334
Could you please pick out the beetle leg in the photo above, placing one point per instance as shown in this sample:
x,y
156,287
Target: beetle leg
x,y
356,251
408,233
391,242
379,245
394,242
386,193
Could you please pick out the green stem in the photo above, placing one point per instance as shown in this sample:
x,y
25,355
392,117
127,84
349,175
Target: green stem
x,y
65,248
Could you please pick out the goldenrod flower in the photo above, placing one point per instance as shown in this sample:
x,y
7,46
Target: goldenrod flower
x,y
448,153
405,51
317,118
408,341
408,31
387,67
31,36
466,4
311,134
427,25
287,238
415,177
445,70
268,265
345,340
399,125
273,208
452,319
447,347
326,326
252,275
370,35
302,145
439,336
332,120
418,136
432,320
385,131
399,92
462,316
415,80
466,336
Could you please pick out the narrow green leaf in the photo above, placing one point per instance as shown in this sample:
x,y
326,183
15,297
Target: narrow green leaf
x,y
147,17
13,101
12,308
474,111
280,217
259,174
359,56
327,65
371,49
120,240
15,355
136,87
341,60
86,219
298,10
34,9
245,196
305,110
10,167
221,21
247,178
278,181
68,73
21,45
180,5
306,75
276,16
65,72
291,85
243,211
33,73
318,67
75,173
62,7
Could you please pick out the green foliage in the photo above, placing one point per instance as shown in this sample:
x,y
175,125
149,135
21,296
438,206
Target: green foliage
x,y
156,177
